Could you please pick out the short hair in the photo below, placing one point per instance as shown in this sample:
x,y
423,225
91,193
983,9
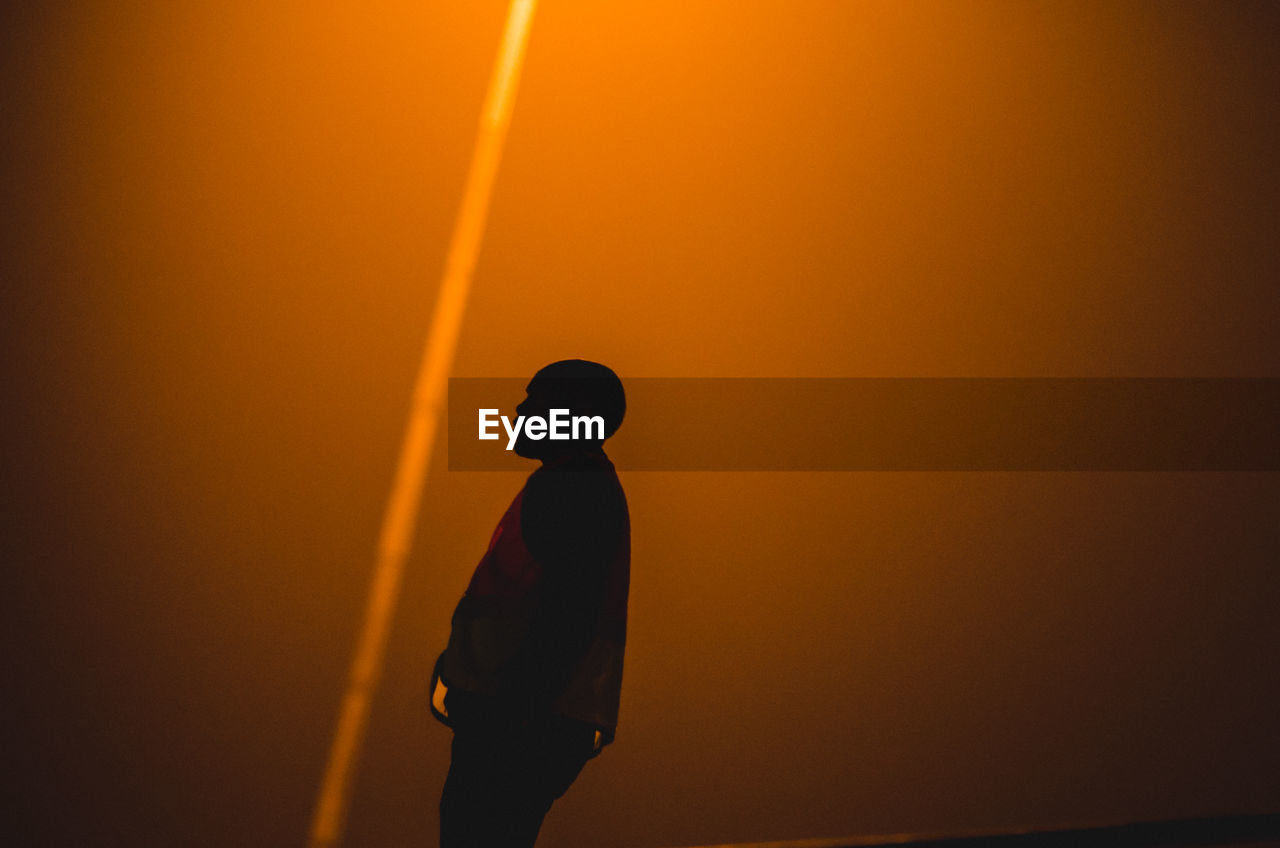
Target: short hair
x,y
584,388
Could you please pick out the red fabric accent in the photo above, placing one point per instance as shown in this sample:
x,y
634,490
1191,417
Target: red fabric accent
x,y
507,569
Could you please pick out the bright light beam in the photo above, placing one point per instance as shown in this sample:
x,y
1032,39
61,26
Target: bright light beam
x,y
396,537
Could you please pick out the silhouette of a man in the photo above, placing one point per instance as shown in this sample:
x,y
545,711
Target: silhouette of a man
x,y
533,670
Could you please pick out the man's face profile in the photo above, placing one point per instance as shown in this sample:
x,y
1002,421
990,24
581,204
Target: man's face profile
x,y
535,403
576,390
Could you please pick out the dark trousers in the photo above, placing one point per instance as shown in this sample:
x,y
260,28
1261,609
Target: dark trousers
x,y
503,779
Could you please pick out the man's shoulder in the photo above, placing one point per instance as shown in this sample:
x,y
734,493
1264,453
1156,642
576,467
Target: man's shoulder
x,y
572,511
576,484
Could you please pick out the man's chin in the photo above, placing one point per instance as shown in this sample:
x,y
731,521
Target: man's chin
x,y
527,449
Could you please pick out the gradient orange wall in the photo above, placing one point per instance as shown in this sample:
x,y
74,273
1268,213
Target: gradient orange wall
x,y
224,226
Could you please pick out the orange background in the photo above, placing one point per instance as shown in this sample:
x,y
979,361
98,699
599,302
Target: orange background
x,y
224,226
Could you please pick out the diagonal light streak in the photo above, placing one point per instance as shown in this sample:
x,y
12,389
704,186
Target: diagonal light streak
x,y
396,537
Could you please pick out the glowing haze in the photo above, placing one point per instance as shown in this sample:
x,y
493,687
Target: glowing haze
x,y
225,226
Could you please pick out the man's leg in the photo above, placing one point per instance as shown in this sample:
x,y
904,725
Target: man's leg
x,y
500,786
554,759
475,791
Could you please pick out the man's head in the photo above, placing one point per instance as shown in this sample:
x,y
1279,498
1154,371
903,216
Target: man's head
x,y
585,389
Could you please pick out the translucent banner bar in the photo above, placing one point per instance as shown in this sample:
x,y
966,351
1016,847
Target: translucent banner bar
x,y
905,424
